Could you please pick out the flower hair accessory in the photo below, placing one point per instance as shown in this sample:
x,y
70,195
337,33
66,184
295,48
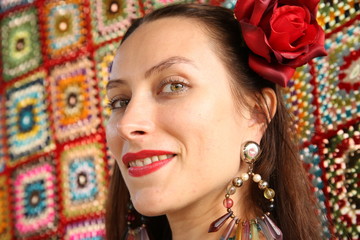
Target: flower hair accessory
x,y
281,34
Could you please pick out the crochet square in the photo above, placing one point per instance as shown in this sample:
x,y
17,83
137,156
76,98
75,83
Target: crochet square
x,y
341,154
90,229
111,18
65,26
20,44
33,189
104,57
298,98
74,100
83,179
338,78
5,229
27,120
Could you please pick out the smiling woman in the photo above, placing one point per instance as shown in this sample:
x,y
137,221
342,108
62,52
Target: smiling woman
x,y
200,138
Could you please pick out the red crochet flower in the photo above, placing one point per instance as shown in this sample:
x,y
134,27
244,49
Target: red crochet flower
x,y
282,35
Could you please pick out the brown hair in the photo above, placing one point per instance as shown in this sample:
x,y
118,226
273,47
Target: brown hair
x,y
279,162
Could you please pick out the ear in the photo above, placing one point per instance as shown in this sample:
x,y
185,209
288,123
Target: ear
x,y
263,110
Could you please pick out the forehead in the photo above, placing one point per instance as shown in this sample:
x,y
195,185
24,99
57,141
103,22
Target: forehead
x,y
164,38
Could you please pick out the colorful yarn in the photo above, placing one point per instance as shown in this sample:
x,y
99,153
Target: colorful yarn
x,y
34,190
74,99
27,119
84,187
65,27
20,43
110,19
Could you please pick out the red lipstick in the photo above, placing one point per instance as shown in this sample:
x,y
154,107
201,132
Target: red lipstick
x,y
138,171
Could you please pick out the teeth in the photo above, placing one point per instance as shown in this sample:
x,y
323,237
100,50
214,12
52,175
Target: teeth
x,y
154,158
147,161
139,163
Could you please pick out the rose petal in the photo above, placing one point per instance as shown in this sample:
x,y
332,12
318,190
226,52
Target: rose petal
x,y
273,72
293,55
309,37
315,50
290,19
255,40
309,4
280,43
260,7
244,9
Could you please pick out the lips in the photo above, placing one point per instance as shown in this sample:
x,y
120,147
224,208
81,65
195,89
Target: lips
x,y
146,161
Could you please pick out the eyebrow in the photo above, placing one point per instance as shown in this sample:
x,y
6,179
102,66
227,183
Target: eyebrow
x,y
167,63
114,83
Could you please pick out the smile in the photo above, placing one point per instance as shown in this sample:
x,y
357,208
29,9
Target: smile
x,y
149,160
146,161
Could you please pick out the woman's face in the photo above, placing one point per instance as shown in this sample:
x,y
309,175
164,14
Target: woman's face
x,y
175,129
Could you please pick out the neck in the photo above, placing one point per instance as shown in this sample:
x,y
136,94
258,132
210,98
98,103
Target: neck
x,y
194,221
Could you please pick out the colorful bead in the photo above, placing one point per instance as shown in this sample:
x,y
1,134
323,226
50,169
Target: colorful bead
x,y
238,182
143,233
256,178
228,230
263,184
269,193
239,230
250,152
228,203
217,224
231,190
271,206
254,231
264,229
246,231
273,229
245,176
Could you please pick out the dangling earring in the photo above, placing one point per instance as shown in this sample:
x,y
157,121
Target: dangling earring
x,y
133,219
248,229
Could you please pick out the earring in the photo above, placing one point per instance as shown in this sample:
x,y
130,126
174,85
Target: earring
x,y
134,219
248,229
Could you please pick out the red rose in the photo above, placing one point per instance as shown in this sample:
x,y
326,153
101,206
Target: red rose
x,y
282,35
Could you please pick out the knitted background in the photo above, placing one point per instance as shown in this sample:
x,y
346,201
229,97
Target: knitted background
x,y
54,164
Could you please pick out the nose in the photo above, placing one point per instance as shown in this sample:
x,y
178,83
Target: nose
x,y
136,121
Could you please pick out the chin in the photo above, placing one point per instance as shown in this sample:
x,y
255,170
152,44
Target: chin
x,y
150,204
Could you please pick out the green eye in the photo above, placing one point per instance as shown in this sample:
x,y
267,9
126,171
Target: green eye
x,y
173,87
118,103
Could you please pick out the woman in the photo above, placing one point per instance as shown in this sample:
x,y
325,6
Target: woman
x,y
199,129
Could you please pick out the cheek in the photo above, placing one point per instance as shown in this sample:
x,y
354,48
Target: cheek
x,y
208,132
114,142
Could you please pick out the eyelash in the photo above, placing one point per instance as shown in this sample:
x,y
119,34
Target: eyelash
x,y
114,100
172,80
